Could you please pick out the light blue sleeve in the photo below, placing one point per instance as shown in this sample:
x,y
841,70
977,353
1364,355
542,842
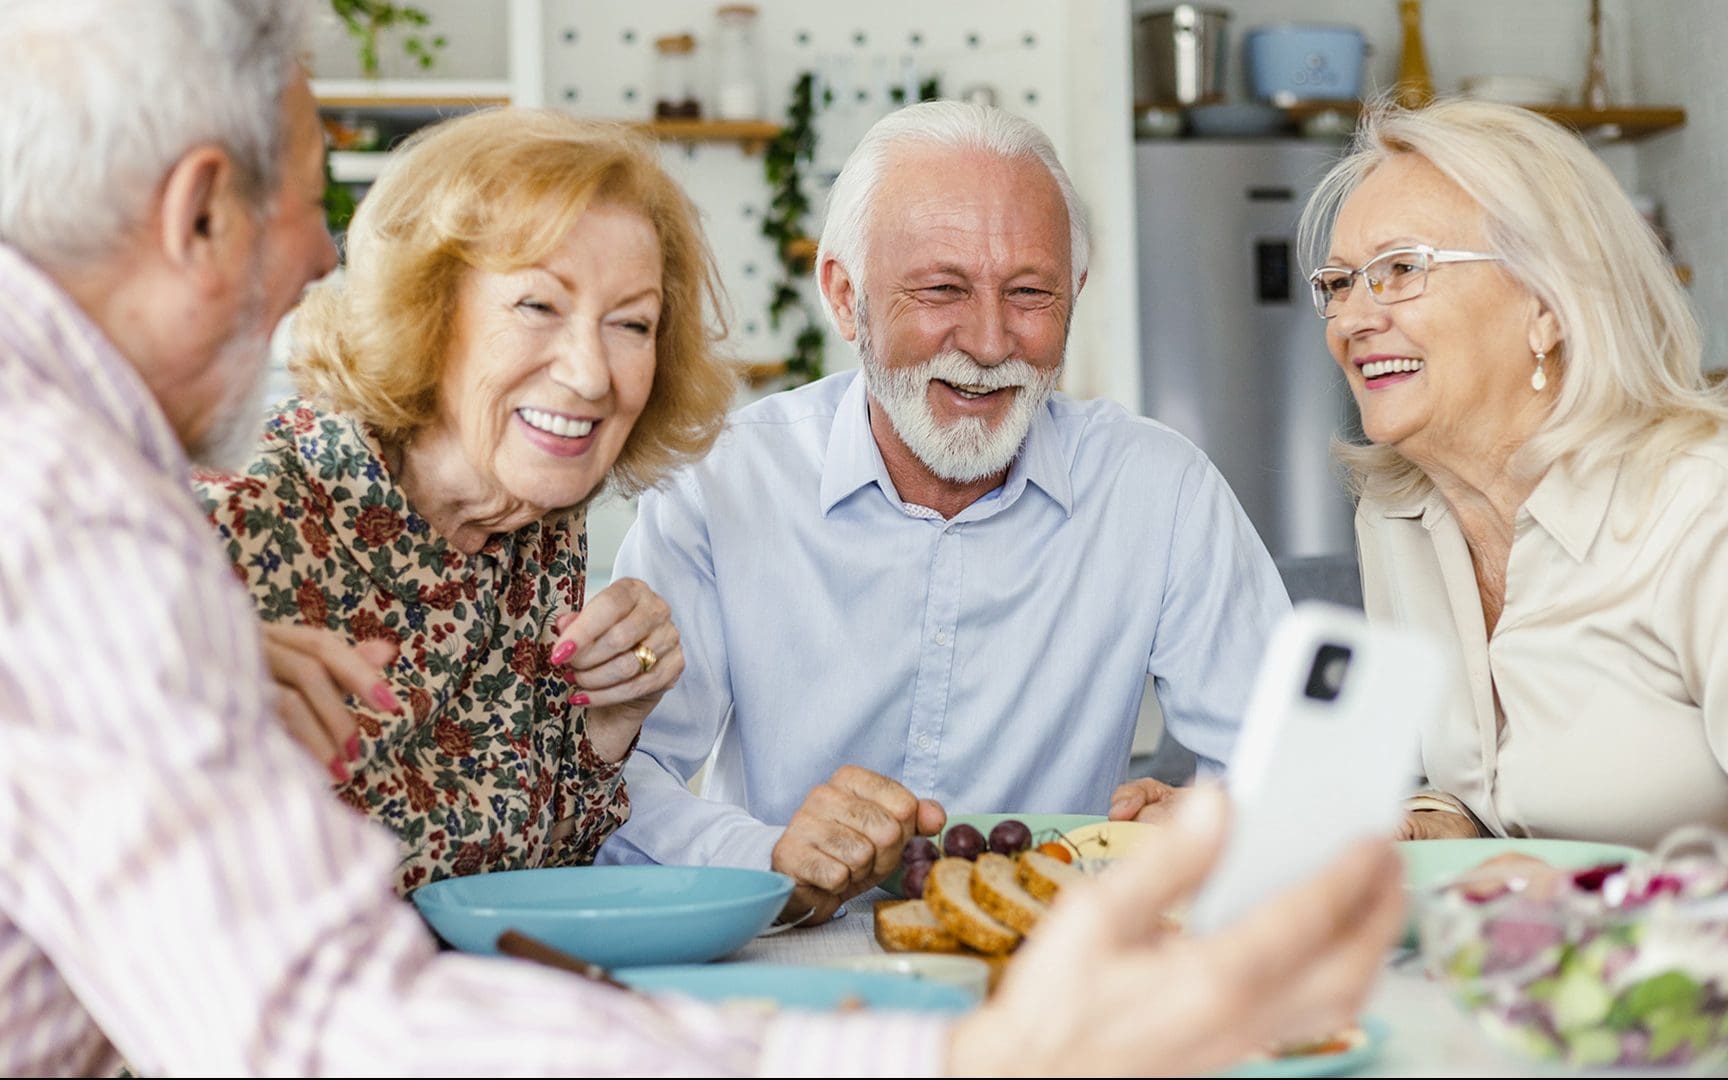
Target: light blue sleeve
x,y
668,548
1221,601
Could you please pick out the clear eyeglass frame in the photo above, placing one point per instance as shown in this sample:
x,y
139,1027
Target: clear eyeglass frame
x,y
1392,276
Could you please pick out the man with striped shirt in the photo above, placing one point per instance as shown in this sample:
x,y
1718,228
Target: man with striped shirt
x,y
178,887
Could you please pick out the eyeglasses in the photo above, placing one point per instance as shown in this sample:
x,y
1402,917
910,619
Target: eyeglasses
x,y
1392,276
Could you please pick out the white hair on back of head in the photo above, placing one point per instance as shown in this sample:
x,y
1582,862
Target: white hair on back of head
x,y
102,97
956,125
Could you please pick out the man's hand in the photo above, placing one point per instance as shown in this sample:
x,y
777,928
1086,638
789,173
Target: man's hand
x,y
847,837
1296,967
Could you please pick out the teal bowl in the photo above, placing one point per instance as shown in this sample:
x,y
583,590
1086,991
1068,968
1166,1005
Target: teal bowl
x,y
614,916
794,987
1428,863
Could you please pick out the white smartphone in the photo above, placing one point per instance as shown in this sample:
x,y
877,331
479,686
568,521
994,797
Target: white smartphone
x,y
1328,751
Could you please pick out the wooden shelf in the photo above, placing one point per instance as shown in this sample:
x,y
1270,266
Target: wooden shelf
x,y
410,93
1606,125
753,134
760,372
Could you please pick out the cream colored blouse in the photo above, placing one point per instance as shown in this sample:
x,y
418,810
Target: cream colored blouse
x,y
1599,708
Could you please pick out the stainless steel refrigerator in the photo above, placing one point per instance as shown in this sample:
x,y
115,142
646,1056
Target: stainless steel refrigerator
x,y
1232,354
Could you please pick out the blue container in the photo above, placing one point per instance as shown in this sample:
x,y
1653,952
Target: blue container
x,y
614,916
1304,62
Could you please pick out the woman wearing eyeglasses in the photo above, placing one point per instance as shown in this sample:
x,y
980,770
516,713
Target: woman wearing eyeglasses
x,y
1544,481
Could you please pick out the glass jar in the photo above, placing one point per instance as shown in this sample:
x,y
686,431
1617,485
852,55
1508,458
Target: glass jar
x,y
737,94
675,78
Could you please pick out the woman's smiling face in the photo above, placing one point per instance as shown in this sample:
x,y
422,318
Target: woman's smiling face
x,y
551,365
1450,367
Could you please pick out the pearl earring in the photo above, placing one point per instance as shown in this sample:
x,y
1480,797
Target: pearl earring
x,y
1539,379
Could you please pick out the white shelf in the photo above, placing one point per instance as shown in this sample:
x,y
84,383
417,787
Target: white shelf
x,y
356,166
411,92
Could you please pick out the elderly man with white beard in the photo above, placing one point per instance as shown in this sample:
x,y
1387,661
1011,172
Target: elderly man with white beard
x,y
935,582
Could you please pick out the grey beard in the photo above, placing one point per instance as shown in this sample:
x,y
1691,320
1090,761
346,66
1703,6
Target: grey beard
x,y
964,450
233,435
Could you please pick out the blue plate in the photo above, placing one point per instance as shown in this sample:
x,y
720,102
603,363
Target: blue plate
x,y
793,987
1338,1064
615,916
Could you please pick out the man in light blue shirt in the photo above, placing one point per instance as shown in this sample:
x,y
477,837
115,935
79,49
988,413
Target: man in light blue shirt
x,y
935,583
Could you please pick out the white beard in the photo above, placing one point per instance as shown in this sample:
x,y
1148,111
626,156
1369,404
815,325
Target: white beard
x,y
966,449
232,438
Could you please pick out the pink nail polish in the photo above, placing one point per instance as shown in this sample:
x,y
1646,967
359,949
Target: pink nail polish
x,y
352,747
385,698
563,651
338,771
578,699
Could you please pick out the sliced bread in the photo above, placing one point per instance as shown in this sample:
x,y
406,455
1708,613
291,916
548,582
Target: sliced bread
x,y
1044,876
999,893
948,890
910,926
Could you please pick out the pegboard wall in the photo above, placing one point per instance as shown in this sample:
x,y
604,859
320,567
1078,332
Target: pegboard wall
x,y
599,61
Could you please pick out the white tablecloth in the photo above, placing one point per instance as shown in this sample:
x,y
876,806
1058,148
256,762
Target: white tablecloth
x,y
1428,1034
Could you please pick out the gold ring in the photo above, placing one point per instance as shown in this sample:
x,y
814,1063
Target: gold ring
x,y
645,656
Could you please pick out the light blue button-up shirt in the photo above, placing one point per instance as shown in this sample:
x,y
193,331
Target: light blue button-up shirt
x,y
993,661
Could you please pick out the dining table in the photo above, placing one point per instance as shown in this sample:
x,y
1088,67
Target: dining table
x,y
1426,1033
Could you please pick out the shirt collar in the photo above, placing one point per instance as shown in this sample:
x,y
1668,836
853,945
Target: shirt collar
x,y
854,461
52,335
1571,503
347,454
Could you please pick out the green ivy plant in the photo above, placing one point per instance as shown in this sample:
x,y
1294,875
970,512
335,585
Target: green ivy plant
x,y
784,165
365,19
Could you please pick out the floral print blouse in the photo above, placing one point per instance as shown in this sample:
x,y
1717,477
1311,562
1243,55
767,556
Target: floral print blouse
x,y
490,768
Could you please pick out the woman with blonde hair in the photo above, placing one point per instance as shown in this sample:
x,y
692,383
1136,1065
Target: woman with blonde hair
x,y
526,316
1543,474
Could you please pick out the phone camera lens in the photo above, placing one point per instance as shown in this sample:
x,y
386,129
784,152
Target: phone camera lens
x,y
1326,676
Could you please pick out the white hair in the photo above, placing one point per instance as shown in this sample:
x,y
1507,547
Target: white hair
x,y
102,97
955,125
1630,350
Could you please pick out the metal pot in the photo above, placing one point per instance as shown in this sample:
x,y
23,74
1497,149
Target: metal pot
x,y
1179,55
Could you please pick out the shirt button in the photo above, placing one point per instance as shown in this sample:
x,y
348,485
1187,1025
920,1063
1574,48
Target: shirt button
x,y
941,637
923,742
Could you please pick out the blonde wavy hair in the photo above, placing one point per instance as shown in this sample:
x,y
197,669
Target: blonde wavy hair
x,y
497,191
1630,349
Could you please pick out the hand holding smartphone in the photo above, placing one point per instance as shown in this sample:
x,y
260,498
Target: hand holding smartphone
x,y
1328,751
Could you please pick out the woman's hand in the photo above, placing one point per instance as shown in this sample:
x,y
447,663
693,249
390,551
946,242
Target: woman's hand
x,y
623,654
1436,825
315,669
1144,799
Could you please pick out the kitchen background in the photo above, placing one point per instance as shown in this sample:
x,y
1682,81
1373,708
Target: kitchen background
x,y
1186,316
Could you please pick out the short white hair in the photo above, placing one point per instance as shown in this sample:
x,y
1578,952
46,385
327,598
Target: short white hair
x,y
956,125
1630,350
102,97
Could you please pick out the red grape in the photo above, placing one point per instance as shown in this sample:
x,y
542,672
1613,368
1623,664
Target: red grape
x,y
963,842
919,849
912,880
1010,837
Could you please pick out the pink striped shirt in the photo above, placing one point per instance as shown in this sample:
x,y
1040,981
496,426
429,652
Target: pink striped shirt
x,y
177,884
